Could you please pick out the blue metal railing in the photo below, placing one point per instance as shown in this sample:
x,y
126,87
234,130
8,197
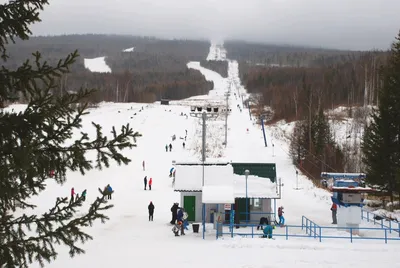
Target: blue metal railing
x,y
370,217
310,226
312,231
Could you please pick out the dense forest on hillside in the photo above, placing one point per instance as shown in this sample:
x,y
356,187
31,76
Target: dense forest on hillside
x,y
331,77
220,67
155,69
284,55
300,84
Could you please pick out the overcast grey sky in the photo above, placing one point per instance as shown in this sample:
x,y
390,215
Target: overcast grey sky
x,y
346,24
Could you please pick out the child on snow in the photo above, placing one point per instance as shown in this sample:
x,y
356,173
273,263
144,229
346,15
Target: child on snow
x,y
280,215
268,229
176,228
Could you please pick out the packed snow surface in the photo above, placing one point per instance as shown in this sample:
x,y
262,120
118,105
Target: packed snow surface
x,y
97,65
131,49
128,239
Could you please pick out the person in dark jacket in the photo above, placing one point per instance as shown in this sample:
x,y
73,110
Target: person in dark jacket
x,y
263,221
174,211
170,147
179,218
334,211
83,195
145,182
151,211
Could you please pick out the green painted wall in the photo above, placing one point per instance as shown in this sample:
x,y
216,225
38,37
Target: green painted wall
x,y
263,170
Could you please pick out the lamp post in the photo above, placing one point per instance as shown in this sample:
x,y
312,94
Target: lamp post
x,y
211,113
246,173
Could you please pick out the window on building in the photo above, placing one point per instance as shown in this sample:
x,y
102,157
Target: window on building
x,y
255,204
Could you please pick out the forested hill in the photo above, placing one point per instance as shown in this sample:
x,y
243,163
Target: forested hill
x,y
155,69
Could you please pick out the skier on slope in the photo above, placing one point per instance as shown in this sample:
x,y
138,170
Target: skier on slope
x,y
150,183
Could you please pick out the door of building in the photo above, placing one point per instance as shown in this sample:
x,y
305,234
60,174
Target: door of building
x,y
189,204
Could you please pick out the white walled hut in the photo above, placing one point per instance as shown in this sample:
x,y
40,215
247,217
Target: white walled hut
x,y
222,188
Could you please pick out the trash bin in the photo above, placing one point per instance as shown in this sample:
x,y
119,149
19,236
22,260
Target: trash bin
x,y
195,227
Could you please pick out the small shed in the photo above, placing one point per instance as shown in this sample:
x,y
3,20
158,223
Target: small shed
x,y
225,182
164,102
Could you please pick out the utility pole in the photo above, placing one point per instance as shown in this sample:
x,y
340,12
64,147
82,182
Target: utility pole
x,y
204,116
227,94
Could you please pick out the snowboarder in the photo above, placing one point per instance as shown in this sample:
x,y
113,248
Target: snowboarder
x,y
263,221
166,147
144,165
170,147
72,194
186,131
83,195
183,144
334,213
150,183
151,211
280,215
109,191
145,182
174,211
268,231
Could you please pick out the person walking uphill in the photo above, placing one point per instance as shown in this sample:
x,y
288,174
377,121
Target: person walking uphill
x,y
334,213
145,182
150,183
151,211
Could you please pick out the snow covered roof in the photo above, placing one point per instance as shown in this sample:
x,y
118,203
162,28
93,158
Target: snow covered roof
x,y
257,187
190,177
218,194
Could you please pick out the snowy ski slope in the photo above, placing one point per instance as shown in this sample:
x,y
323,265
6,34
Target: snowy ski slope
x,y
130,240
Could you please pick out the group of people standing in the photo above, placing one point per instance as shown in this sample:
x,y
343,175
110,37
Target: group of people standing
x,y
75,196
179,219
150,182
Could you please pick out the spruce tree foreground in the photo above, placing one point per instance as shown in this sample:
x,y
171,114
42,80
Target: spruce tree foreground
x,y
33,144
381,142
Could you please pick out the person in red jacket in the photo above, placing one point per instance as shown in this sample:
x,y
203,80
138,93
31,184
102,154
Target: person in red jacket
x,y
72,194
334,211
150,183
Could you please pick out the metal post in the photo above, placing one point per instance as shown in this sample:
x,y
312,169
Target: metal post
x,y
246,173
203,151
263,130
226,118
297,179
273,153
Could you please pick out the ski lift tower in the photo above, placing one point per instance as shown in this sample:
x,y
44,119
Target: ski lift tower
x,y
348,196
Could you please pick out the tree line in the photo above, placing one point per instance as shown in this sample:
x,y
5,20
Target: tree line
x,y
155,68
299,85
